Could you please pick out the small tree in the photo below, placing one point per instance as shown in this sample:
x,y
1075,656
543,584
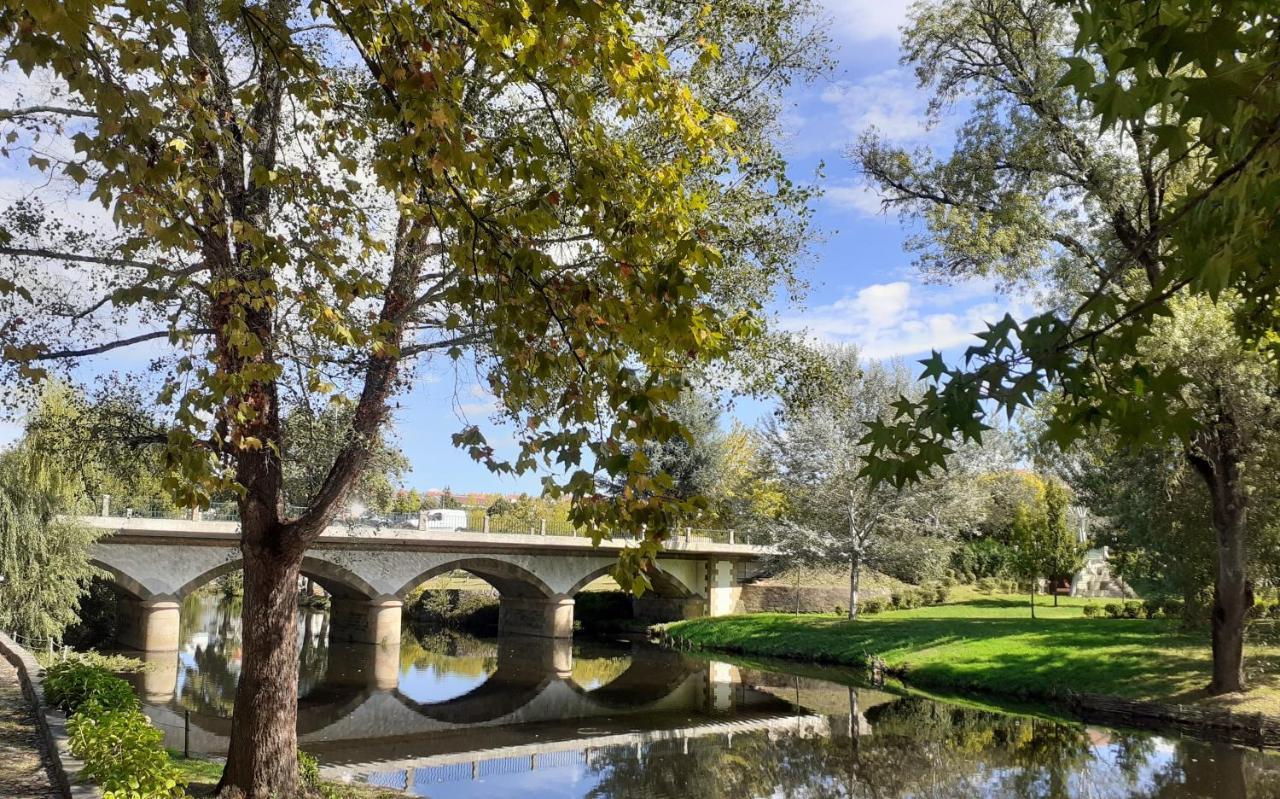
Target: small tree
x,y
1047,547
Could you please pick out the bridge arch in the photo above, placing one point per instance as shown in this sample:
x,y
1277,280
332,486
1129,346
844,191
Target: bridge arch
x,y
665,584
509,579
121,581
340,582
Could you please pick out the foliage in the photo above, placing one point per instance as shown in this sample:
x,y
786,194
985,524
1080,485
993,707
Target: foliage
x,y
984,557
44,556
1147,183
1046,546
123,753
71,683
311,441
454,609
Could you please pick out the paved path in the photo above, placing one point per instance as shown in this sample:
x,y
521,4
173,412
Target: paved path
x,y
23,774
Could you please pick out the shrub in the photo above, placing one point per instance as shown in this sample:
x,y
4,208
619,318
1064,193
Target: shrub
x,y
871,606
123,753
1173,608
308,771
983,558
1092,611
1273,612
987,585
69,683
839,611
1152,609
1114,610
1132,609
940,595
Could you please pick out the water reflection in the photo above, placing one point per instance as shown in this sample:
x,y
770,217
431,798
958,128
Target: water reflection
x,y
448,715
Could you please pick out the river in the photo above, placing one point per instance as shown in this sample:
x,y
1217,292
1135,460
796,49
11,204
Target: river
x,y
452,716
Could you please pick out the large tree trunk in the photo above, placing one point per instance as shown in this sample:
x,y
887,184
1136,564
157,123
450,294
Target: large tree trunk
x,y
1033,597
855,575
1232,597
1217,457
262,762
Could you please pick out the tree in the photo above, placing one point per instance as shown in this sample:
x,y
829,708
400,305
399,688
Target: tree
x,y
44,557
304,197
832,515
1035,194
311,441
1047,547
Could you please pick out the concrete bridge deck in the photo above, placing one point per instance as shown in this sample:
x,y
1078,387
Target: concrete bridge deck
x,y
368,572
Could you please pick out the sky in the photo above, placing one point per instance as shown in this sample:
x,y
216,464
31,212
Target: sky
x,y
863,288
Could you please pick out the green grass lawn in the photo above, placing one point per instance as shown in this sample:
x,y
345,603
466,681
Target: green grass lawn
x,y
989,643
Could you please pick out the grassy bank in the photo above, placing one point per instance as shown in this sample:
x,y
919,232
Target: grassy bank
x,y
990,644
202,775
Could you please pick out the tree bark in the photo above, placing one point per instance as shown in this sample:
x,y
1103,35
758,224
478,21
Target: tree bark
x,y
855,575
262,760
1033,597
1217,456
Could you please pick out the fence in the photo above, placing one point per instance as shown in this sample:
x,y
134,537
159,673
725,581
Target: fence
x,y
477,521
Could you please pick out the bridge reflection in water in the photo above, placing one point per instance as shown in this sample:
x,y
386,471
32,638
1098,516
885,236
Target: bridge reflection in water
x,y
428,701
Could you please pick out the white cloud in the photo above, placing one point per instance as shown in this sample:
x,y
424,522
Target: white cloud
x,y
888,101
865,20
485,402
887,320
859,197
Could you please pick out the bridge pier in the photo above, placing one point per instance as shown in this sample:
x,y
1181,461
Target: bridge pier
x,y
150,625
365,621
723,589
545,617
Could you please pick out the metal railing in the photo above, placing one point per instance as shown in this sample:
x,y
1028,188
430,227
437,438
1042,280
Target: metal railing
x,y
477,521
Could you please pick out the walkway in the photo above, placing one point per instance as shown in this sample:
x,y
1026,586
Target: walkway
x,y
23,774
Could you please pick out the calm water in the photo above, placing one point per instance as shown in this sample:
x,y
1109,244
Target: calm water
x,y
451,716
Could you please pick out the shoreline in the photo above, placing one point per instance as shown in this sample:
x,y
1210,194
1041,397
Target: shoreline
x,y
1243,728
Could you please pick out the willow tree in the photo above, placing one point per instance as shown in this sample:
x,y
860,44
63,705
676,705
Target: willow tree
x,y
304,197
44,556
1116,199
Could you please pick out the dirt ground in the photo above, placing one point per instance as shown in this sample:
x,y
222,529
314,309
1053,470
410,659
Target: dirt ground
x,y
23,769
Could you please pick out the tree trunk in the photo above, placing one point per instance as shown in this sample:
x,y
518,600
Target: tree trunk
x,y
1217,457
1055,594
855,575
1033,597
262,761
1232,598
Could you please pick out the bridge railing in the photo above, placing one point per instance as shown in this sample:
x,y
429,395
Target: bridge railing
x,y
375,523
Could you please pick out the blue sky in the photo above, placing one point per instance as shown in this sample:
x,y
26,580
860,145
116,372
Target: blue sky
x,y
863,288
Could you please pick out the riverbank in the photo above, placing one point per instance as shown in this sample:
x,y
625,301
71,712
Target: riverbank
x,y
990,645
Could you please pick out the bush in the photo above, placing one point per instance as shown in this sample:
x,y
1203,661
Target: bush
x,y
1092,611
940,595
983,558
1173,608
987,585
1152,609
1132,610
871,606
1273,612
68,684
1114,610
123,753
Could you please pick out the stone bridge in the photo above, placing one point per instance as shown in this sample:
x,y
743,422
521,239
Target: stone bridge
x,y
154,563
